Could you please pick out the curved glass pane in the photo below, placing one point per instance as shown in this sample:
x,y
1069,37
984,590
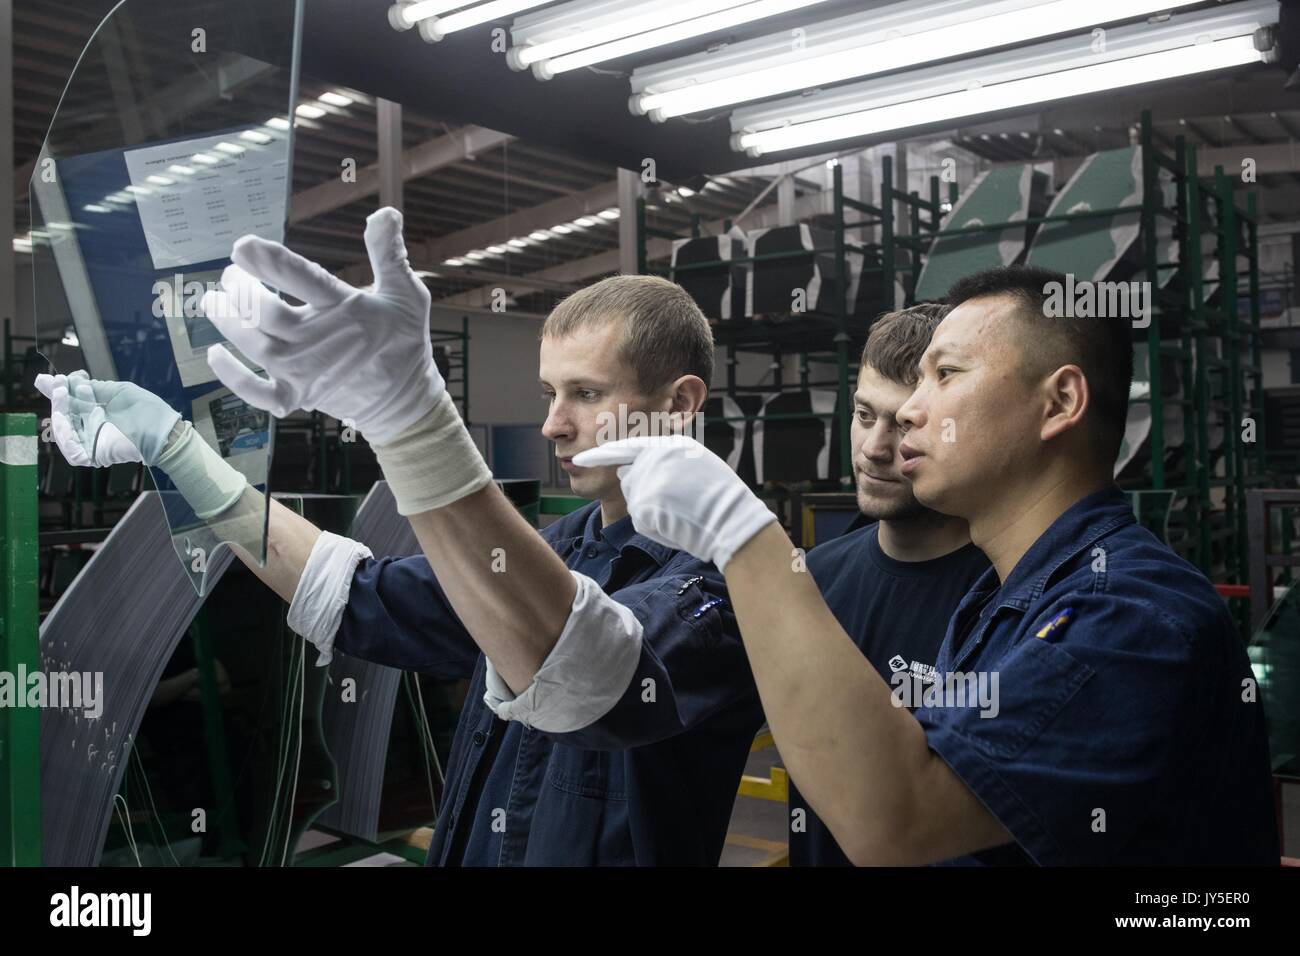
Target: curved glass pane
x,y
1275,659
170,142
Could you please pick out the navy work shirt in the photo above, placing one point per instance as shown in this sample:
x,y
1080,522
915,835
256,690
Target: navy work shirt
x,y
897,613
650,783
1129,732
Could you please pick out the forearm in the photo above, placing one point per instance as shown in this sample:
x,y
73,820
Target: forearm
x,y
289,541
859,759
510,590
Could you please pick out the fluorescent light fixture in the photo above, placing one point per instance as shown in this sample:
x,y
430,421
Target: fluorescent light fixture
x,y
608,214
335,99
963,89
1116,74
562,230
405,15
277,122
539,235
517,244
139,190
181,170
234,149
671,32
475,255
570,27
204,159
256,136
453,262
121,196
310,111
497,250
435,29
587,222
888,38
160,180
685,192
96,207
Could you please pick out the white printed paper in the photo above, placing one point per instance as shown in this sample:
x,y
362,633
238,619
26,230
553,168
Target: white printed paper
x,y
195,198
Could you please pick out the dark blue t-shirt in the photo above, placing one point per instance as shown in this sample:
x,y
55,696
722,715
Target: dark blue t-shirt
x,y
897,613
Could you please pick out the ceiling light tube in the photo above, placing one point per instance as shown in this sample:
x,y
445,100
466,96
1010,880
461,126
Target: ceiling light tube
x,y
555,35
1051,56
673,33
435,29
1114,74
907,38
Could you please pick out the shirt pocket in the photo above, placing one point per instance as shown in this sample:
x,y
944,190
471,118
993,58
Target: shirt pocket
x,y
703,612
582,815
1035,682
586,773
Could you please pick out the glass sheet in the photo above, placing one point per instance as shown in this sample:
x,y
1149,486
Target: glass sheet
x,y
170,142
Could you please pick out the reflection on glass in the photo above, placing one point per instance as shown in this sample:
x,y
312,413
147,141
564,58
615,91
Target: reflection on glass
x,y
1275,659
170,142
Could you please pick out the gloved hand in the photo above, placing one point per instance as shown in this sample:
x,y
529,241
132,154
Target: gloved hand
x,y
356,355
99,423
682,495
106,423
359,356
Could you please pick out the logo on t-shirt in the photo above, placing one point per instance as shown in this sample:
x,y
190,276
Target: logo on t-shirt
x,y
922,672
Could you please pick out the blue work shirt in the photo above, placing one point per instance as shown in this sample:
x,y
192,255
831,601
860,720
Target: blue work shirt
x,y
1127,734
650,783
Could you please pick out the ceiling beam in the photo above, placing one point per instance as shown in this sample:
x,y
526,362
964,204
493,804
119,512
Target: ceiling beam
x,y
463,144
578,271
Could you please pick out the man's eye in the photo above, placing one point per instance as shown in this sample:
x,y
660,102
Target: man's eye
x,y
866,418
587,395
943,371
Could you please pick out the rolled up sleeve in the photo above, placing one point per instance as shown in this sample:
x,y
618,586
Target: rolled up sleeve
x,y
691,666
586,672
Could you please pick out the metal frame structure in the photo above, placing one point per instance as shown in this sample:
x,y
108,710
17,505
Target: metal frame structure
x,y
824,336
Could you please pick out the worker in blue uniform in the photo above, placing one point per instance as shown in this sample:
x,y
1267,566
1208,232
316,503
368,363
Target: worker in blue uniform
x,y
1093,702
611,707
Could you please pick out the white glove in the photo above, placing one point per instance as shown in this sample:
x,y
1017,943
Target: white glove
x,y
98,423
682,495
361,356
106,423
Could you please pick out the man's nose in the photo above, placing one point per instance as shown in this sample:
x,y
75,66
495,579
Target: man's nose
x,y
880,443
912,414
557,424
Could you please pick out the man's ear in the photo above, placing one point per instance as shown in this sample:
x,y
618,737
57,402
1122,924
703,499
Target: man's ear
x,y
1066,399
689,394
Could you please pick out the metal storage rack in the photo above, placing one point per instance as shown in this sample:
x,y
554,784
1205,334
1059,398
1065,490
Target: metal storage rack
x,y
825,336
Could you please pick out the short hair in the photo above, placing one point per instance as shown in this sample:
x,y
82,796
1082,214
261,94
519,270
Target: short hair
x,y
898,340
665,333
1101,347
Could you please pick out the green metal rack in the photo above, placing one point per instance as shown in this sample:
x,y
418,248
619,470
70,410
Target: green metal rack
x,y
20,727
825,336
